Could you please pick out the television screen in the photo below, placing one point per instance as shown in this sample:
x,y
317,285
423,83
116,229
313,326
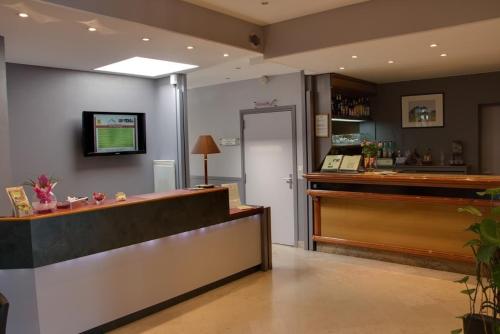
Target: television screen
x,y
106,133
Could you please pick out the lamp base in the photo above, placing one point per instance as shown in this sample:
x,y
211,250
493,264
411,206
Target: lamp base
x,y
205,186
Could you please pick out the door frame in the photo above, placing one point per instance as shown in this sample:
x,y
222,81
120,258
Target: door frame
x,y
295,180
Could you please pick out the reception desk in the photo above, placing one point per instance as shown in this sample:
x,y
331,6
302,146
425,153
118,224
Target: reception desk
x,y
407,218
98,267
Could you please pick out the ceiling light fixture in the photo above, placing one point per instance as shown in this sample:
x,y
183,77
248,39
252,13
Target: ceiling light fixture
x,y
146,39
443,55
391,62
341,68
354,57
226,54
92,29
190,47
145,67
433,45
23,15
228,78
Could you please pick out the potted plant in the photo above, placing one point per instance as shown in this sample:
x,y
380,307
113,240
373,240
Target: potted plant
x,y
370,151
483,292
43,188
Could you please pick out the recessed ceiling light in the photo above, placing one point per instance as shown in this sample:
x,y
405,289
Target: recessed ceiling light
x,y
190,47
92,29
391,61
443,55
433,45
237,68
354,57
145,67
226,54
23,15
341,68
146,39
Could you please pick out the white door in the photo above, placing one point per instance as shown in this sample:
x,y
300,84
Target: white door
x,y
269,162
490,137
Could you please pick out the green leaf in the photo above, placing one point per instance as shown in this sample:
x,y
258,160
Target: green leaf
x,y
474,228
495,274
489,231
495,211
485,252
468,291
456,331
463,280
492,192
471,210
473,242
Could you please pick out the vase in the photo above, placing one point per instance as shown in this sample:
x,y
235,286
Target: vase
x,y
478,324
369,163
373,162
46,206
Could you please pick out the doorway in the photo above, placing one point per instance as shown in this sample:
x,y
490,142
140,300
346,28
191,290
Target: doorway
x,y
489,137
269,167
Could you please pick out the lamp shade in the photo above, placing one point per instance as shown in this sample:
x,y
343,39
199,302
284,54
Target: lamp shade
x,y
205,144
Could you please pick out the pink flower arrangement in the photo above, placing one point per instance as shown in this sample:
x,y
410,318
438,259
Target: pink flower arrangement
x,y
43,187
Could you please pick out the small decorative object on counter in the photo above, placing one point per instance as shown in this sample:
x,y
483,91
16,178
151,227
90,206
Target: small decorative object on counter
x,y
370,151
120,196
19,200
75,202
427,159
42,187
457,153
99,197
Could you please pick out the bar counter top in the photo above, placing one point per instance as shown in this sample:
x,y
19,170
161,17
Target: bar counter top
x,y
409,179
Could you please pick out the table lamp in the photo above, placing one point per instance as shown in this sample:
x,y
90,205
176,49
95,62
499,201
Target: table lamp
x,y
205,145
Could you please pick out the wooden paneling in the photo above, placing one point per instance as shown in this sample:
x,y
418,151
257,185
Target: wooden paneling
x,y
431,227
410,179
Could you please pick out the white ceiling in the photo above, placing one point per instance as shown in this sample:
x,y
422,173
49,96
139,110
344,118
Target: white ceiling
x,y
471,48
236,70
275,11
56,36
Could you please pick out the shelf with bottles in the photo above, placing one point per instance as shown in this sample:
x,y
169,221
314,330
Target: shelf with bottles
x,y
346,108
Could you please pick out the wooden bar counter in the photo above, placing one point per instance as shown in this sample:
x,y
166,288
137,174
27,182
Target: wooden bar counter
x,y
397,216
98,267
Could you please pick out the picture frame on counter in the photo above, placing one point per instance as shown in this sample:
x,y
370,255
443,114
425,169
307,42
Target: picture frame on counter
x,y
350,163
332,163
422,111
322,125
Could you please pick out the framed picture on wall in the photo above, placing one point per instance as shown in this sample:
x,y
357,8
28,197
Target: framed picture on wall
x,y
422,111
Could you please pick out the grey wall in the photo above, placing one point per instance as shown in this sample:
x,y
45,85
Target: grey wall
x,y
45,106
462,97
215,110
5,168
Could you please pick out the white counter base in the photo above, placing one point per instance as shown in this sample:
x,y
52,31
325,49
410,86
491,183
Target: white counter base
x,y
80,294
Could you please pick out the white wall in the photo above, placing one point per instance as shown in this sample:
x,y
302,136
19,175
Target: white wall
x,y
45,110
215,110
5,167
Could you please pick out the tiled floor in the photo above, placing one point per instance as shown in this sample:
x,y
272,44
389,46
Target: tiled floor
x,y
311,292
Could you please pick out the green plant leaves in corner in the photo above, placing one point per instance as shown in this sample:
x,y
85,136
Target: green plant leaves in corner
x,y
468,291
471,210
495,211
456,331
491,192
484,253
495,274
489,231
463,280
473,228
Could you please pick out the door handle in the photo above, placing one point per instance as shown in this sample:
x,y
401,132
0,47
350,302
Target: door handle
x,y
288,180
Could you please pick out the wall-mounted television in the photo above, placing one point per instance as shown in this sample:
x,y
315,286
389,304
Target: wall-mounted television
x,y
113,133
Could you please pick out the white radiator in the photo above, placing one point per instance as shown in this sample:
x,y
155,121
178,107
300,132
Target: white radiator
x,y
164,175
